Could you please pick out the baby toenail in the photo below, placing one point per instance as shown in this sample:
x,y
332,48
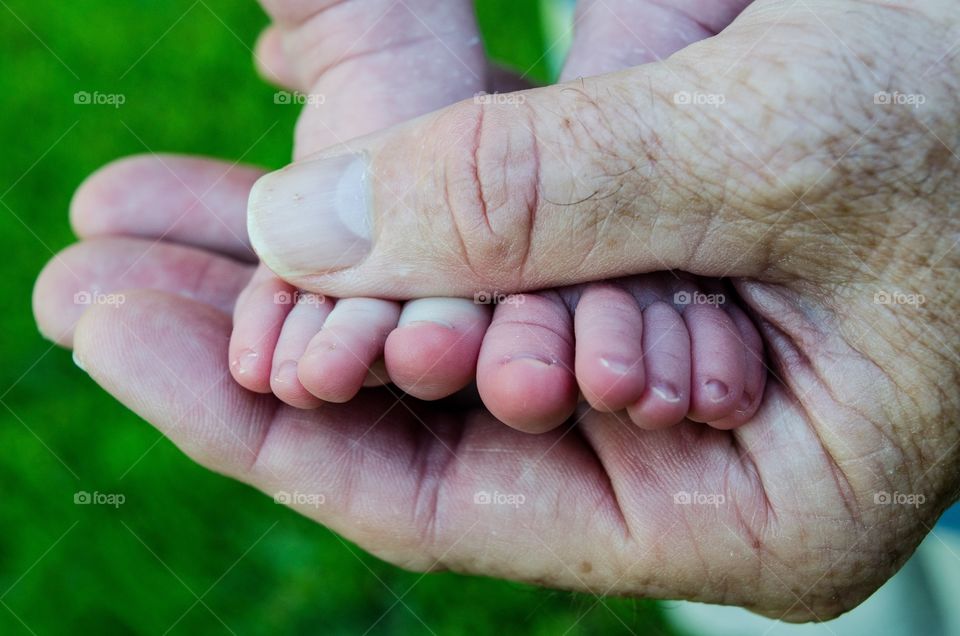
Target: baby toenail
x,y
617,366
531,358
745,403
666,391
716,390
286,372
245,361
417,323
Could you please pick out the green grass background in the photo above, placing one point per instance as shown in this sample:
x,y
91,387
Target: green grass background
x,y
183,532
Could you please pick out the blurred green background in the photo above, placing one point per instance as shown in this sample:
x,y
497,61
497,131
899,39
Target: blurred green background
x,y
183,532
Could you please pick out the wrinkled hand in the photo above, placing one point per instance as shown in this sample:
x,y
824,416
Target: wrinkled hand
x,y
822,203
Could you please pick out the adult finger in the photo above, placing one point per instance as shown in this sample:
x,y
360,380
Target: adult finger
x,y
99,271
611,175
190,200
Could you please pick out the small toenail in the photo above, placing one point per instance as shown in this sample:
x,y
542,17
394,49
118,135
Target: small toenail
x,y
286,373
531,358
617,366
745,403
417,323
716,390
666,391
244,362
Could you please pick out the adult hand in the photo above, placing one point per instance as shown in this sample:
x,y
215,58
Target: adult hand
x,y
794,528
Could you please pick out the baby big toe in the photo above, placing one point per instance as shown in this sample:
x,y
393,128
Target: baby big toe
x,y
433,351
525,370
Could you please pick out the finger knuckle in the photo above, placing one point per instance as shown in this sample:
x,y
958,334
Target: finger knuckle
x,y
490,180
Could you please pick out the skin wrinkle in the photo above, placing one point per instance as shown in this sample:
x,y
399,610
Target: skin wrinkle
x,y
200,275
750,467
318,71
434,474
751,537
506,212
842,482
533,199
276,410
627,532
458,233
477,145
564,335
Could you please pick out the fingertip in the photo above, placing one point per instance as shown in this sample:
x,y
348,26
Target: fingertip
x,y
104,191
56,320
755,374
666,355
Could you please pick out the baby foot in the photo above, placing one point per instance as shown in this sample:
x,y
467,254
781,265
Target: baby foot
x,y
659,346
663,348
376,64
309,349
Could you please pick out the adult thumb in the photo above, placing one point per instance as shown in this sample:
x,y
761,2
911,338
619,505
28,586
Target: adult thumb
x,y
606,176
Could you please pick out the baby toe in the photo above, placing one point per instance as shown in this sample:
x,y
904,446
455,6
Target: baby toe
x,y
433,351
525,369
